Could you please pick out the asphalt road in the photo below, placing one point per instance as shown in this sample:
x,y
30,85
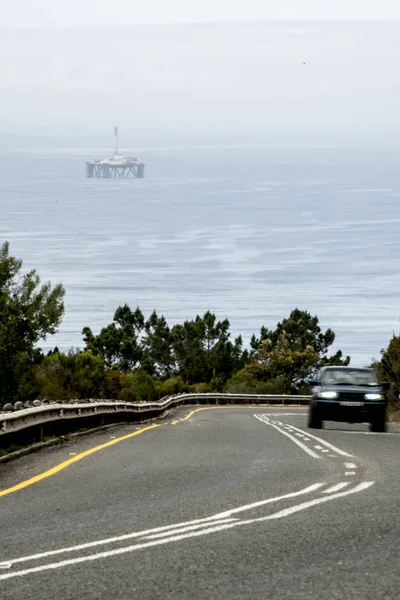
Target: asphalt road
x,y
229,503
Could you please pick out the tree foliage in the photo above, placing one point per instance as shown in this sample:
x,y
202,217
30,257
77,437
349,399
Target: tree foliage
x,y
29,312
204,352
118,344
293,351
284,360
62,376
388,368
198,351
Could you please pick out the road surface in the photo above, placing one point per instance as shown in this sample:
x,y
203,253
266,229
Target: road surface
x,y
218,503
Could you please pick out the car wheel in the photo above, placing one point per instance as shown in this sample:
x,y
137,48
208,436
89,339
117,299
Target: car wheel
x,y
378,425
314,418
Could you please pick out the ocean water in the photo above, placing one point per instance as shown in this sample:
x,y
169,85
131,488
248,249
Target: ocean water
x,y
249,233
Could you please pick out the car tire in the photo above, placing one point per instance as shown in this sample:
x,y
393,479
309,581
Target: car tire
x,y
314,418
378,425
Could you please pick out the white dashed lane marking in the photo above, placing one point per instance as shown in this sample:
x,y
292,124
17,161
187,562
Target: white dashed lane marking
x,y
296,434
264,419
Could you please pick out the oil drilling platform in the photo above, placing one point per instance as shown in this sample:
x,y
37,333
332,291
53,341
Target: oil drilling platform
x,y
116,165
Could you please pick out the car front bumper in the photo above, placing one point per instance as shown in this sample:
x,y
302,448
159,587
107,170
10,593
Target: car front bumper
x,y
349,411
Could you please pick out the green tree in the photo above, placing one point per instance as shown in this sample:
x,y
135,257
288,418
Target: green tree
x,y
119,343
29,312
245,382
388,368
63,376
138,387
203,350
293,351
285,360
158,357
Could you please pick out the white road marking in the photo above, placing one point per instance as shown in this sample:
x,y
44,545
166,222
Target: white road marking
x,y
175,538
332,456
168,529
350,473
293,509
336,488
326,450
327,444
386,433
111,540
303,446
350,466
5,565
288,414
234,511
318,447
164,534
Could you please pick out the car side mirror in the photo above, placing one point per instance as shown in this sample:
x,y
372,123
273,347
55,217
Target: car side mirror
x,y
385,385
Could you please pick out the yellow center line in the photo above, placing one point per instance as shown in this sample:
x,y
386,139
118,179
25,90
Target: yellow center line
x,y
63,465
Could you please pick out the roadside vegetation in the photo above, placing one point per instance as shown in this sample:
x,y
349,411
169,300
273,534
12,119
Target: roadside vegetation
x,y
142,358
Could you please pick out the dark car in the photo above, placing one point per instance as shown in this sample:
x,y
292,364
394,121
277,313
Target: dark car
x,y
348,394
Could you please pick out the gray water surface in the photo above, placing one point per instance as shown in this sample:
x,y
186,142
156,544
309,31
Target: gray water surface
x,y
248,233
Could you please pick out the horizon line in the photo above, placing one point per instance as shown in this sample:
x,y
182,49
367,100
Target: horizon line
x,y
145,24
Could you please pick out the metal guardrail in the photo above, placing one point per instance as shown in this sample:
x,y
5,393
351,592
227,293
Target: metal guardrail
x,y
44,419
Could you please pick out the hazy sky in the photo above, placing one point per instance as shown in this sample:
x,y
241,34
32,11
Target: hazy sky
x,y
104,13
273,80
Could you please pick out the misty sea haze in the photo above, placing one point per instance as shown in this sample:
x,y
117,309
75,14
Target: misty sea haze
x,y
249,233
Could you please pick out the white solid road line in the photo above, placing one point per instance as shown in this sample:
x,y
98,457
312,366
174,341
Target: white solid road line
x,y
303,446
163,534
175,538
119,538
336,488
234,511
167,529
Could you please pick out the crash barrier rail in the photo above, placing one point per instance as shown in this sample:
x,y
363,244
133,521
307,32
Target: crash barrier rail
x,y
21,425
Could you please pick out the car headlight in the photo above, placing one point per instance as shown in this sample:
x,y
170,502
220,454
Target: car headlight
x,y
327,395
373,397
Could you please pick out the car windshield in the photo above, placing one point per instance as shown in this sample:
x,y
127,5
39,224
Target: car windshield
x,y
349,377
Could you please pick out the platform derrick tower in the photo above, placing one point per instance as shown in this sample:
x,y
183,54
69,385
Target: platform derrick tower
x,y
116,166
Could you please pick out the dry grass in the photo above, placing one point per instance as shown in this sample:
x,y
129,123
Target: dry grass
x,y
394,414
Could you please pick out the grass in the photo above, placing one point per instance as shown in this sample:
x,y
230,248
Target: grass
x,y
10,449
